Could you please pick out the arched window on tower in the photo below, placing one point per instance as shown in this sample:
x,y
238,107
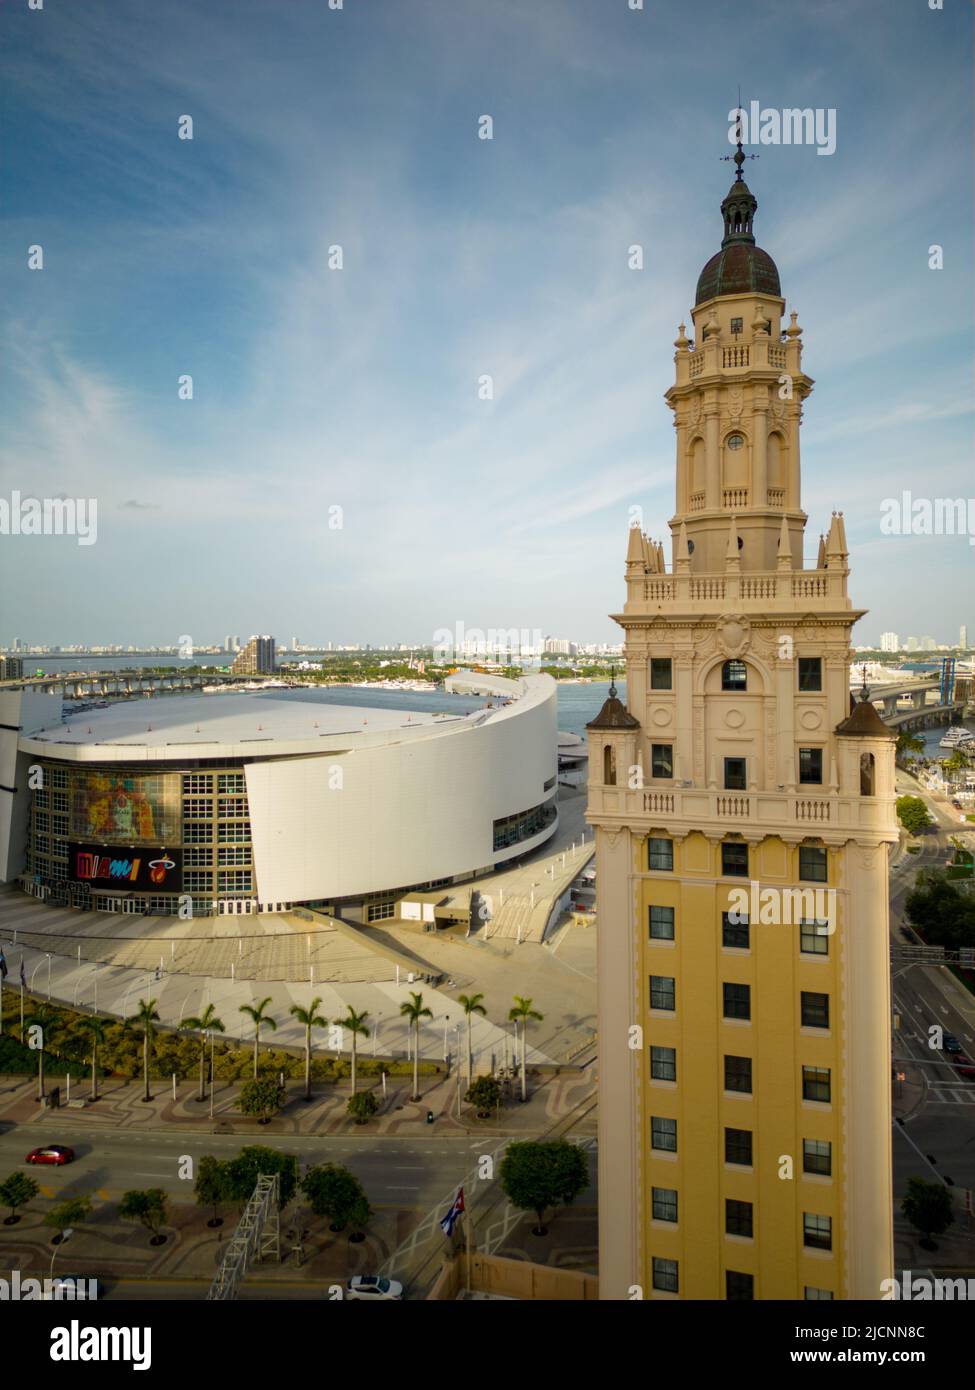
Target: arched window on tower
x,y
867,774
609,766
734,676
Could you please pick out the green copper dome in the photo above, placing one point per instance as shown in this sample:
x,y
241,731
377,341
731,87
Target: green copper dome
x,y
740,267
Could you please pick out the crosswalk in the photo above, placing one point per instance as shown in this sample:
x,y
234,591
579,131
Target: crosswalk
x,y
951,1095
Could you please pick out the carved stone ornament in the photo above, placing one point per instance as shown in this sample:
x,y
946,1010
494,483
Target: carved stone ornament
x,y
734,633
735,402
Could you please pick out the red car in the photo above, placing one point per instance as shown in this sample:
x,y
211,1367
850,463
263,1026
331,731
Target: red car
x,y
964,1067
51,1153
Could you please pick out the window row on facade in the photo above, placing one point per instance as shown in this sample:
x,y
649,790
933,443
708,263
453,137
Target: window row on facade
x,y
735,862
739,1285
734,674
816,1085
737,1001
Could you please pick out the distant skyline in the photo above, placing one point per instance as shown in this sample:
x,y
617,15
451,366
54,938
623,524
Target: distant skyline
x,y
325,396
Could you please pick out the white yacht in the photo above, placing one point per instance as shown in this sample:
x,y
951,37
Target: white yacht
x,y
957,737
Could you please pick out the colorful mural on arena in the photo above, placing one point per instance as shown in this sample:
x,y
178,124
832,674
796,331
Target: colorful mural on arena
x,y
124,808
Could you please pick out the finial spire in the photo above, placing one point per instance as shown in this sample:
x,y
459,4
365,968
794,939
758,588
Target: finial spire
x,y
612,682
739,155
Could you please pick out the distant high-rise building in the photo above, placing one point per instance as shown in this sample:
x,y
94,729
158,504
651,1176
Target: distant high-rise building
x,y
928,644
911,645
890,642
11,668
963,637
257,658
558,646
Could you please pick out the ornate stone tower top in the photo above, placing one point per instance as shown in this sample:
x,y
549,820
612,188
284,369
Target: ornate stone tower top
x,y
737,403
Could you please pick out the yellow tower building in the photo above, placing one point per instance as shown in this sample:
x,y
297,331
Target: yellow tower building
x,y
743,804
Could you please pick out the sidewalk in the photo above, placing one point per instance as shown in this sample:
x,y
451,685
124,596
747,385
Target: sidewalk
x,y
552,1101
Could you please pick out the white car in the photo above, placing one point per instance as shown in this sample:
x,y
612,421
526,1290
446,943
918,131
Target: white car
x,y
372,1288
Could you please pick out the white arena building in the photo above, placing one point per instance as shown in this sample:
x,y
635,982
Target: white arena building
x,y
231,803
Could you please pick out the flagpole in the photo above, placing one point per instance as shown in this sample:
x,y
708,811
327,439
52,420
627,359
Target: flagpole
x,y
468,1230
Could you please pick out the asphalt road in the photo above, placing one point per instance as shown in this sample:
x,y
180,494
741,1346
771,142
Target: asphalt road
x,y
942,1127
401,1172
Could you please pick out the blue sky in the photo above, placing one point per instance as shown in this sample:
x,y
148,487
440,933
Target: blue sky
x,y
316,388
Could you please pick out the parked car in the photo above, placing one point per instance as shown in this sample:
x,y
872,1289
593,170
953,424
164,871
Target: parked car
x,y
372,1288
950,1043
51,1153
956,804
964,1066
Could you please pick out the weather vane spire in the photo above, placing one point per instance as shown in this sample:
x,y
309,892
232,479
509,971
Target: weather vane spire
x,y
739,155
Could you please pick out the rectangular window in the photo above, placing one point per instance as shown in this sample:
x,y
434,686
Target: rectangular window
x,y
810,673
665,1275
197,883
734,676
661,924
197,809
817,1157
661,673
231,806
737,1001
734,933
734,859
230,782
197,834
738,1218
814,937
738,1074
197,783
663,1134
380,912
59,801
663,992
661,759
815,1009
197,857
735,774
817,1231
660,855
235,881
57,776
738,1286
816,1084
816,1295
738,1147
663,1063
811,765
233,854
234,832
812,863
665,1204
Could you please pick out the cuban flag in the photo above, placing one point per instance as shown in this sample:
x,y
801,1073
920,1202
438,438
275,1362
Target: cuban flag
x,y
450,1220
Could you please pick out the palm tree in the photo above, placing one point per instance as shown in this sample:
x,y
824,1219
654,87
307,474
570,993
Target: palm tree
x,y
311,1018
43,1018
356,1024
471,1004
258,1017
96,1028
414,1011
522,1012
144,1017
204,1023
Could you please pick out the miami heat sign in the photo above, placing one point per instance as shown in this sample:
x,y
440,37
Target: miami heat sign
x,y
125,870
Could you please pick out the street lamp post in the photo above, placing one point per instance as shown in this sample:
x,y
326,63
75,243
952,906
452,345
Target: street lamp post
x,y
66,1235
